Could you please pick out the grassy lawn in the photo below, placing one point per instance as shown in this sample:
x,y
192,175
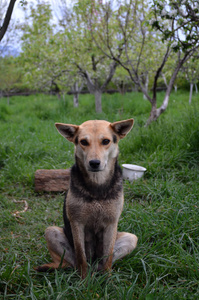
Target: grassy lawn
x,y
162,209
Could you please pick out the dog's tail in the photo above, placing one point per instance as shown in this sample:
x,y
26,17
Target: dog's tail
x,y
51,267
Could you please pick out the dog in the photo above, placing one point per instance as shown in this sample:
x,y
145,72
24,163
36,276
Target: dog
x,y
94,201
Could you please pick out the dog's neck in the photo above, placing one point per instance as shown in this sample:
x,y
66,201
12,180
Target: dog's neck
x,y
96,184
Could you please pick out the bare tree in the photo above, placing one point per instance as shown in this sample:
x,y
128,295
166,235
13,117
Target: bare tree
x,y
94,85
191,72
82,52
76,89
132,20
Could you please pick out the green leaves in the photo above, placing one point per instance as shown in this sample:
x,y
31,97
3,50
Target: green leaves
x,y
183,20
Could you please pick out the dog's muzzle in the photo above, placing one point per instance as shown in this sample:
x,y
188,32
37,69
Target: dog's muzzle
x,y
94,165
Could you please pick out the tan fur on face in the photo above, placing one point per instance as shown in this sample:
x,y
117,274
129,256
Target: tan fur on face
x,y
94,132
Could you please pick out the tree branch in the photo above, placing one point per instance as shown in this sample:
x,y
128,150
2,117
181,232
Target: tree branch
x,y
159,71
110,75
7,18
164,105
89,82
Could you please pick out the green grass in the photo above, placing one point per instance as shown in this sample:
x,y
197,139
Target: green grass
x,y
162,209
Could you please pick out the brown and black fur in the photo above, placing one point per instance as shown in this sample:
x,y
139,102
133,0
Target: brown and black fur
x,y
94,201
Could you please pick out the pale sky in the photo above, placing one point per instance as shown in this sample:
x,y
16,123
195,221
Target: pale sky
x,y
18,12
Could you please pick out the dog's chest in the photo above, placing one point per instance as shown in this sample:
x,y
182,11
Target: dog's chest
x,y
98,215
95,214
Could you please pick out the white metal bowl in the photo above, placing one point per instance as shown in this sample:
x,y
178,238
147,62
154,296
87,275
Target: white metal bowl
x,y
132,172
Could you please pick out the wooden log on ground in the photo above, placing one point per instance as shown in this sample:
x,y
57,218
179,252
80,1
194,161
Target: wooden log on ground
x,y
52,180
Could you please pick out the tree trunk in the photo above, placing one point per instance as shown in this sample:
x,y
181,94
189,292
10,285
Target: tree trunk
x,y
135,88
196,87
146,85
153,113
98,101
76,89
93,89
165,80
175,88
64,100
121,87
191,92
156,112
75,99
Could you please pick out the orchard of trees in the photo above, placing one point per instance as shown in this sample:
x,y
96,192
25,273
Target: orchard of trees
x,y
99,45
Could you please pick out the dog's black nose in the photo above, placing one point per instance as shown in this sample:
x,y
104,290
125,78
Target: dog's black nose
x,y
94,164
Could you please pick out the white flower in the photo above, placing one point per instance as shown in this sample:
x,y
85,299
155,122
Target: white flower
x,y
162,2
173,12
151,21
196,6
164,12
174,44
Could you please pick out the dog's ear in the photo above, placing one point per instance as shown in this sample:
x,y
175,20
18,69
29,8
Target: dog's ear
x,y
122,127
67,130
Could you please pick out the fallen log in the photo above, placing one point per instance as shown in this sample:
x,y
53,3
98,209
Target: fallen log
x,y
52,180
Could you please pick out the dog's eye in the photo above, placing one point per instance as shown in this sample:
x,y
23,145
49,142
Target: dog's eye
x,y
84,142
105,142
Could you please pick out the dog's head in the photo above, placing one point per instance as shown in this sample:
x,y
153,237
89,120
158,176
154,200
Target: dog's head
x,y
96,142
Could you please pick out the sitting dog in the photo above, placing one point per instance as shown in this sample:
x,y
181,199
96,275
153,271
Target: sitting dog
x,y
94,201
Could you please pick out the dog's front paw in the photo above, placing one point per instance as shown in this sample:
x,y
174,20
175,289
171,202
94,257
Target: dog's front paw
x,y
83,270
